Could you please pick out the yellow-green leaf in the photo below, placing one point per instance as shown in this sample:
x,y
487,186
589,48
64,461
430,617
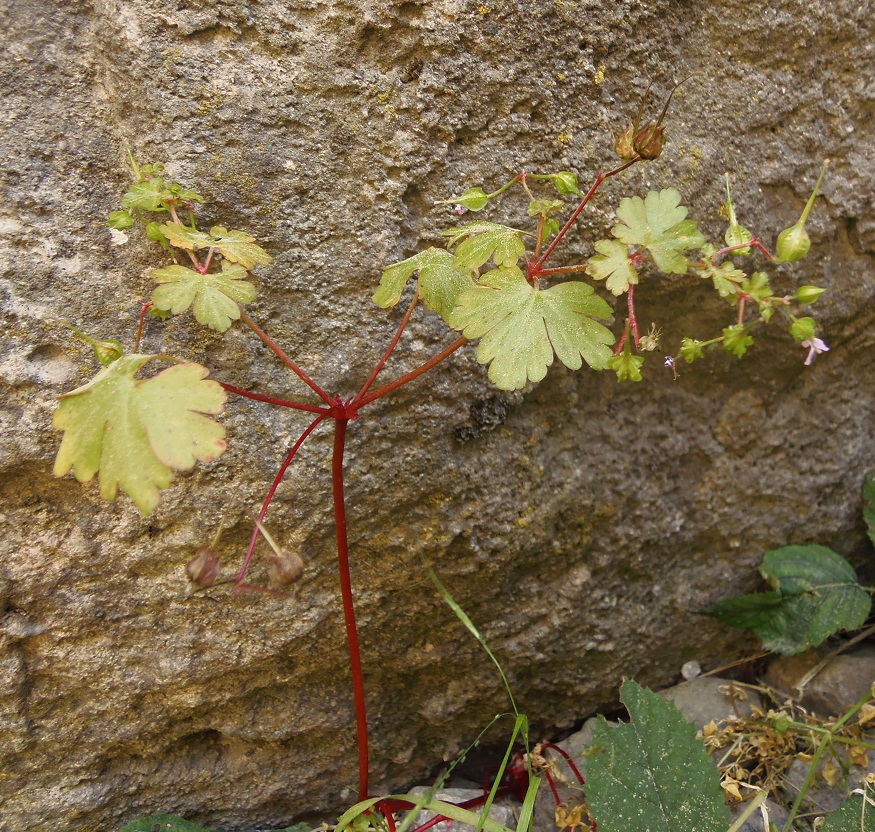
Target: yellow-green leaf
x,y
520,327
135,432
215,296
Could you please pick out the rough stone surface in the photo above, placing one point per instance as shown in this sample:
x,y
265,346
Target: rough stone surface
x,y
823,684
580,524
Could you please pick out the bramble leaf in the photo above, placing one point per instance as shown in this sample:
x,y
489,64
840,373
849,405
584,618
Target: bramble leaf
x,y
440,282
215,296
135,431
657,223
815,594
612,263
652,774
852,816
520,326
482,240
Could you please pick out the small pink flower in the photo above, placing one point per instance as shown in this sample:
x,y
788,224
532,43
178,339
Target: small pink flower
x,y
815,347
460,210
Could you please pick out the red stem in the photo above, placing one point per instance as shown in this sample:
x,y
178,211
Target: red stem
x,y
400,382
568,759
310,408
633,321
285,359
567,227
367,385
561,270
143,311
277,480
355,660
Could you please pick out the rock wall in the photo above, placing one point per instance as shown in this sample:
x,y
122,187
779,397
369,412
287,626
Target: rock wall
x,y
579,522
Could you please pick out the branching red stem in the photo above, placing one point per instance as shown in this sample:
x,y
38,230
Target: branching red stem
x,y
239,391
567,227
424,368
284,358
402,326
277,480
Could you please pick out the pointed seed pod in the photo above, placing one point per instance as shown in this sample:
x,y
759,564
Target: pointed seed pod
x,y
736,234
794,242
650,140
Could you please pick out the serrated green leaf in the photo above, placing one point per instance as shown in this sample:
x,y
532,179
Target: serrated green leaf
x,y
815,594
726,277
627,366
183,237
652,774
440,282
134,431
691,349
851,816
215,296
657,223
757,287
736,339
520,326
482,240
869,504
238,247
612,263
147,196
544,206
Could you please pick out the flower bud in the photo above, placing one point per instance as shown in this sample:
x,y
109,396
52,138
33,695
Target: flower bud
x,y
107,351
202,569
808,294
565,182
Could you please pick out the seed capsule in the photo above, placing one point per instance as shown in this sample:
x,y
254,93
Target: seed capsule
x,y
202,569
793,242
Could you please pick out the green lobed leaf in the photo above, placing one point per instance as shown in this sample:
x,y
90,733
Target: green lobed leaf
x,y
238,247
184,237
215,296
134,432
657,223
736,339
520,326
814,594
544,206
652,774
869,504
440,282
726,278
852,816
612,263
627,366
150,195
482,240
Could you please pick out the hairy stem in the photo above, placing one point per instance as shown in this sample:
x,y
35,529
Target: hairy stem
x,y
355,660
277,350
424,368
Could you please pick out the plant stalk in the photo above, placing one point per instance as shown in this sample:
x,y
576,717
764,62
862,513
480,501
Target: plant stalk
x,y
355,660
